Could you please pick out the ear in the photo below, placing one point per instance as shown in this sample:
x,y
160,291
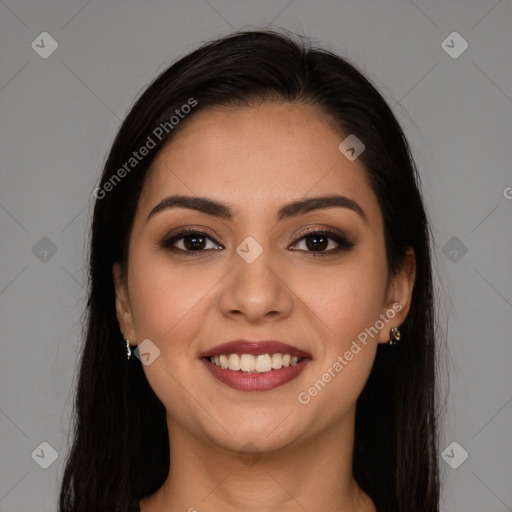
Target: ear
x,y
123,308
399,296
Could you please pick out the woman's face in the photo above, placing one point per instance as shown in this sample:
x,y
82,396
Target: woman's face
x,y
252,276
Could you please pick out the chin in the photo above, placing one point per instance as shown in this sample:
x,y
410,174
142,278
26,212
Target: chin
x,y
256,434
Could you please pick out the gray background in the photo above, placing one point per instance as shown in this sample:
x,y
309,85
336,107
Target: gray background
x,y
59,116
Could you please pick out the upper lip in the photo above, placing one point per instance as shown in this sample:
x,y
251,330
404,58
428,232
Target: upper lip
x,y
255,348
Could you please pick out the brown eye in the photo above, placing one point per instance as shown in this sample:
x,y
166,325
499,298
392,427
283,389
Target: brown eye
x,y
319,241
316,243
191,241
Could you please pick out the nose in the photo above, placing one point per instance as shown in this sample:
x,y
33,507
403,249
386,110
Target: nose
x,y
256,291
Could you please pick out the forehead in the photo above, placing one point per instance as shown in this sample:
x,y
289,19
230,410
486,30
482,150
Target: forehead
x,y
257,157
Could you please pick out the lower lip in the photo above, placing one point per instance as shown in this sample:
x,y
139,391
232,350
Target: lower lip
x,y
248,381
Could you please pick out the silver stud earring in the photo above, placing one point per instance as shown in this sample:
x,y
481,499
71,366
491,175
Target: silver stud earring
x,y
395,336
128,350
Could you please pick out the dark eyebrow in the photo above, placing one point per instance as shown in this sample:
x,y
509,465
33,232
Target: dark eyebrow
x,y
223,211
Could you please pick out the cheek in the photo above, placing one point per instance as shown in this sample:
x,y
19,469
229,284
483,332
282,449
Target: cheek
x,y
166,300
345,304
168,307
344,299
347,349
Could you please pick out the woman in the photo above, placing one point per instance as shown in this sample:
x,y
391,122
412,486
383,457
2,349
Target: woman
x,y
259,239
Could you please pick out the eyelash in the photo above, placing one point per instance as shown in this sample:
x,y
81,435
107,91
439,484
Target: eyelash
x,y
343,243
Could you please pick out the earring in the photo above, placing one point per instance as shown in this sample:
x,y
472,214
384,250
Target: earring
x,y
128,350
395,336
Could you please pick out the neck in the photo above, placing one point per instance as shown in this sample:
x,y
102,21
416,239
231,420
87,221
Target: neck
x,y
307,474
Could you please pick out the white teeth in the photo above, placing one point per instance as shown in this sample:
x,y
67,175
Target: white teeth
x,y
277,361
224,362
234,362
263,363
248,363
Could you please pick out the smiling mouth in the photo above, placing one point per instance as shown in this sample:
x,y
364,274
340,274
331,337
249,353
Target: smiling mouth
x,y
248,363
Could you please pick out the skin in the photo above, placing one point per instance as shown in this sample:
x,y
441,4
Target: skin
x,y
255,160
